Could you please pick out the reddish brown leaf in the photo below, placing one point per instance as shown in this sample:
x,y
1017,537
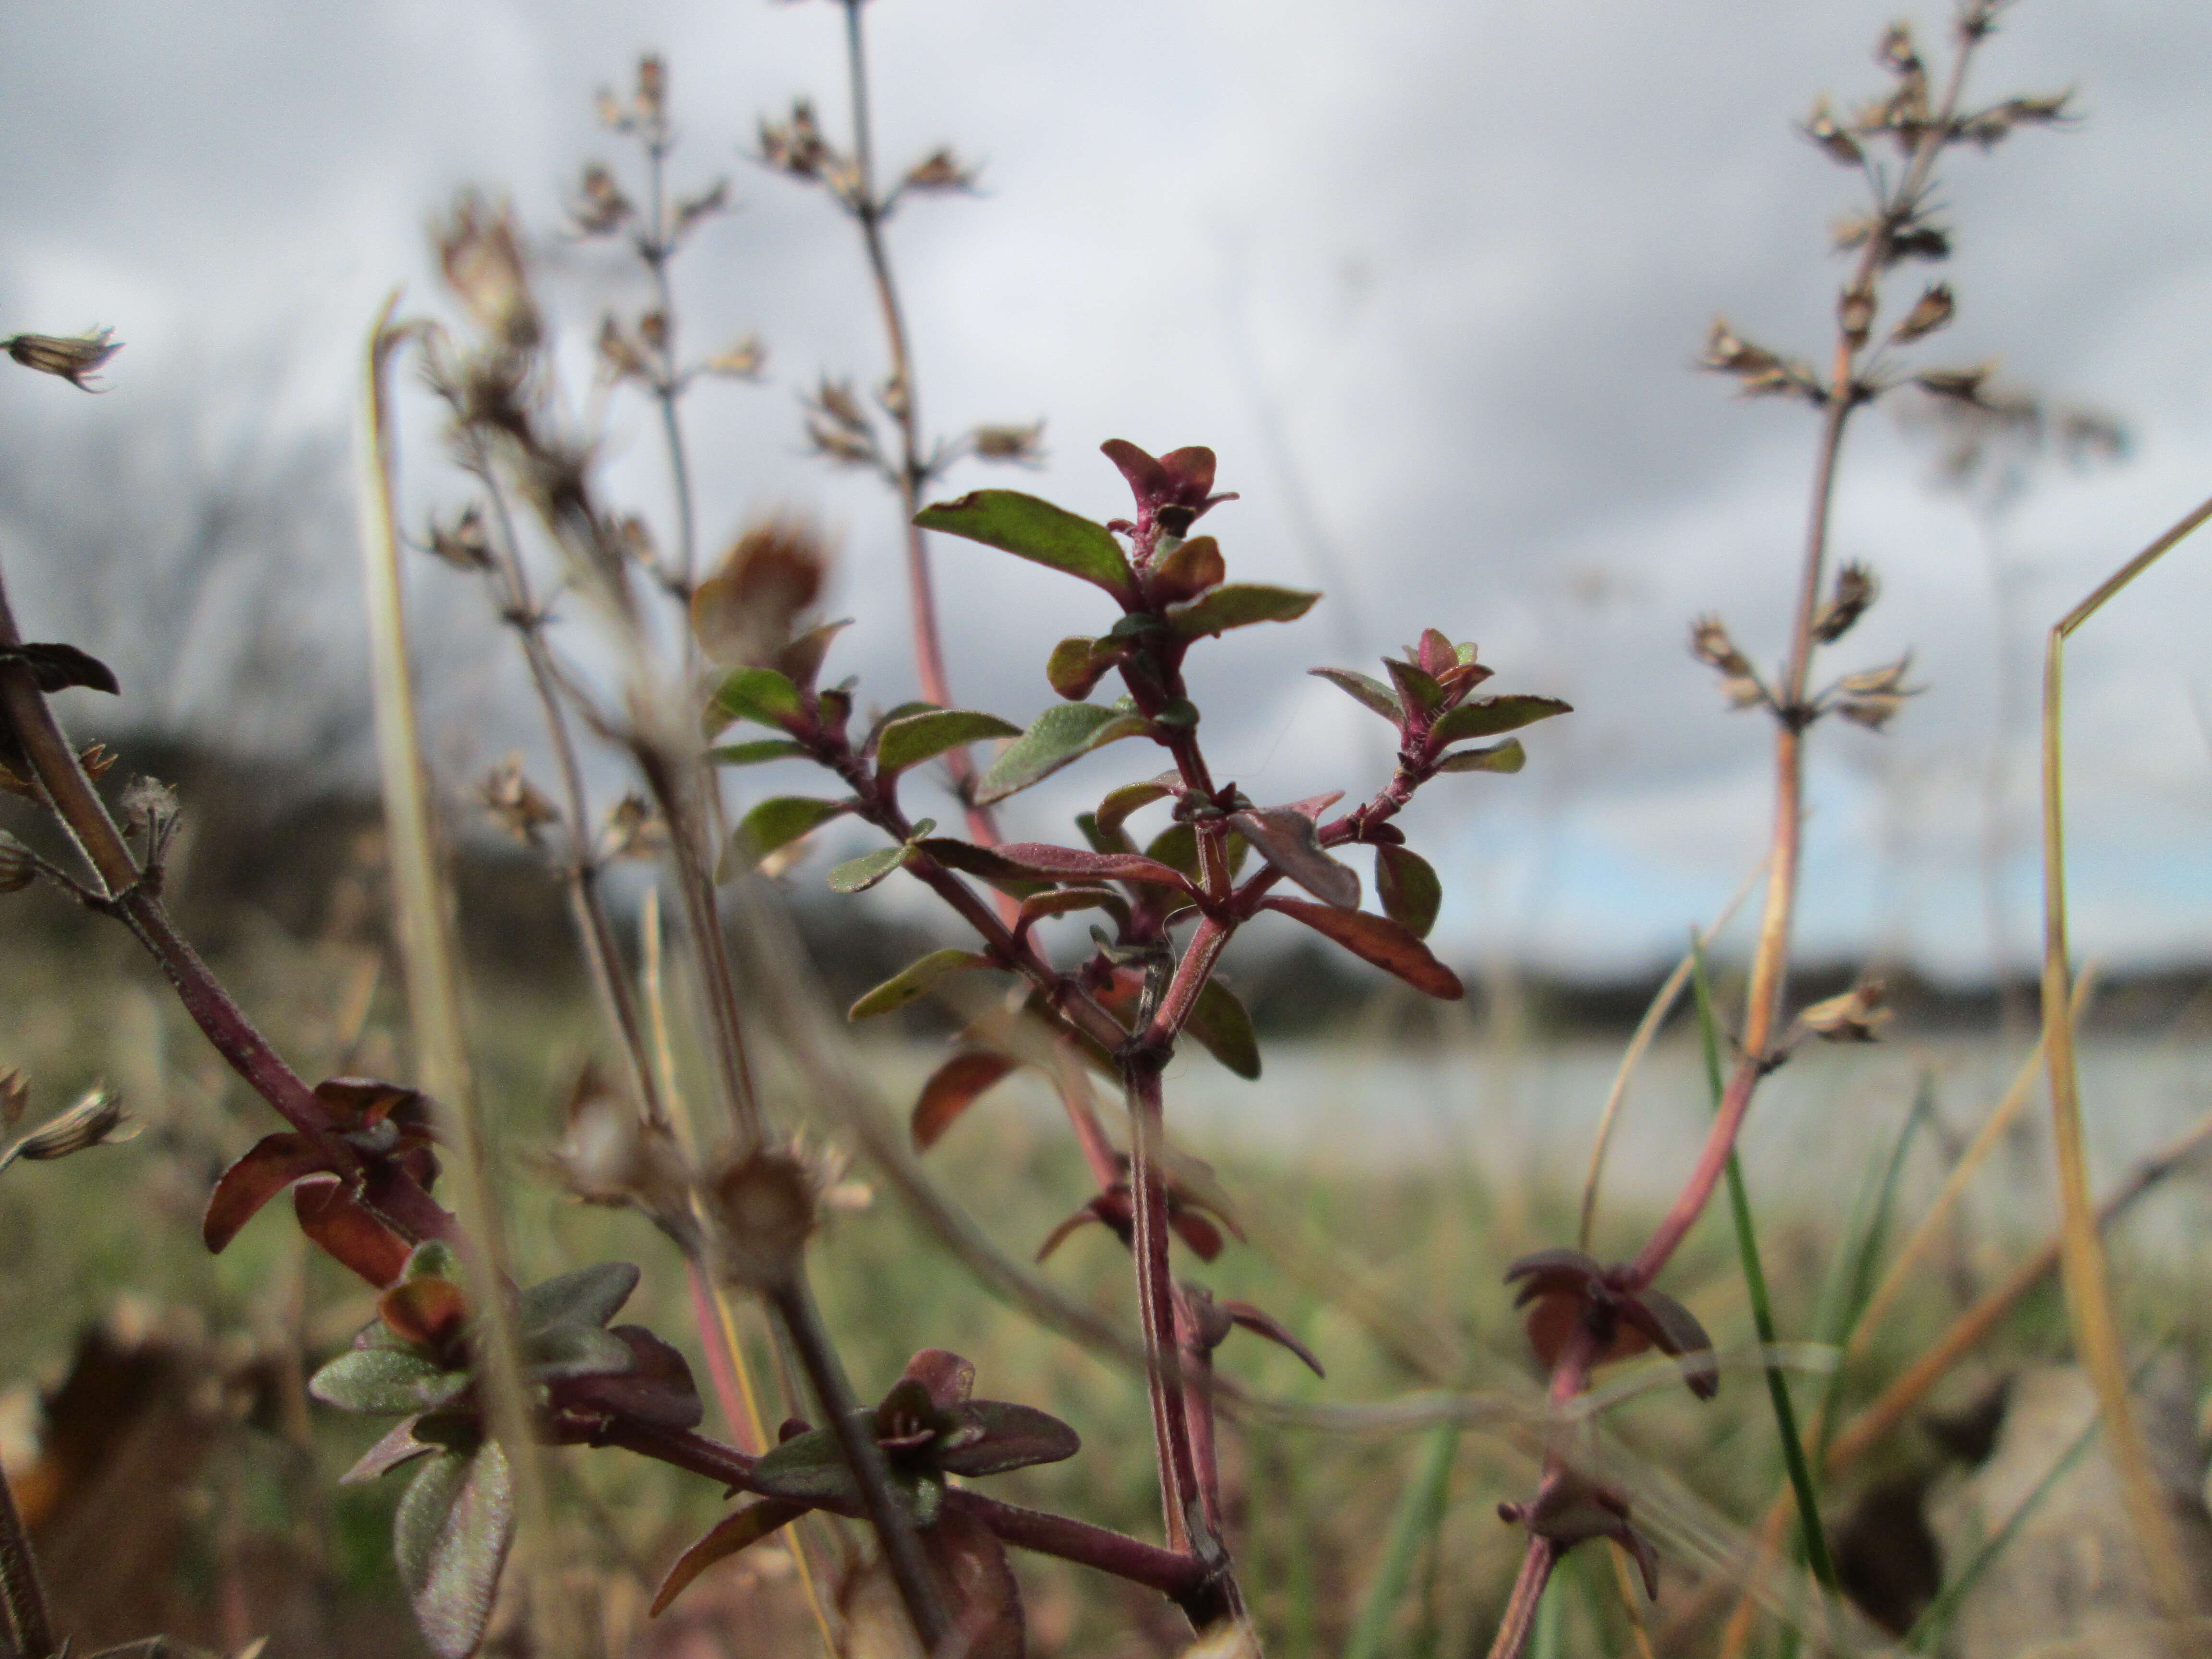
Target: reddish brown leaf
x,y
947,1377
1376,940
1261,1324
981,1593
1285,837
1071,864
952,1087
1195,1231
1189,571
345,1231
274,1164
359,1102
734,1531
425,1312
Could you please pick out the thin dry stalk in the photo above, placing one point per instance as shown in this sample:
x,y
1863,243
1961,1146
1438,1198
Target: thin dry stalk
x,y
2088,1288
1647,1029
434,999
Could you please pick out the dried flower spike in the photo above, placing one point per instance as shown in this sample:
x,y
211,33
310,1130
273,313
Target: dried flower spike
x,y
515,801
73,357
1856,589
97,1120
1931,312
1856,1016
600,207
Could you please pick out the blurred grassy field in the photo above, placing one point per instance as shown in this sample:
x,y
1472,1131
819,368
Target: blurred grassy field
x,y
111,1238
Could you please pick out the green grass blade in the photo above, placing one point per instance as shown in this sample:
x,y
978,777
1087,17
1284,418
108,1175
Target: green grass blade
x,y
1420,1512
1762,1310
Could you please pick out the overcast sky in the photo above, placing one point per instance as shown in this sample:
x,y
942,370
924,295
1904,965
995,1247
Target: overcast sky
x,y
1429,278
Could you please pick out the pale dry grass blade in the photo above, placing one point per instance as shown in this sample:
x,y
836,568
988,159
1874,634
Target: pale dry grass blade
x,y
2087,1277
434,1003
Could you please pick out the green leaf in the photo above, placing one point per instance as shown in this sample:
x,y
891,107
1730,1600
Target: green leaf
x,y
1417,687
760,695
1037,531
1290,841
1420,1517
450,1537
1506,756
780,821
1061,900
1485,717
1114,809
918,737
1221,1025
590,1296
575,1350
1064,733
1177,847
753,753
811,1466
1078,664
913,979
385,1383
1188,569
860,874
1408,887
1239,605
980,862
1368,692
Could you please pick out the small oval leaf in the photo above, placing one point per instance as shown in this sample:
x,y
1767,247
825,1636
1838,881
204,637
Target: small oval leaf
x,y
1072,863
778,821
1376,940
913,979
1408,887
918,737
952,1087
1368,691
385,1383
1188,570
760,695
1037,531
1506,756
1240,605
589,1295
1487,717
860,874
1221,1025
1078,664
1288,840
753,753
450,1537
1062,733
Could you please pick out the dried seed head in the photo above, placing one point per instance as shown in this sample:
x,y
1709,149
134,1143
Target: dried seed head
x,y
1896,51
1709,644
1932,312
652,329
1856,1016
612,1156
97,759
796,146
940,172
19,868
600,207
1759,372
689,211
1023,446
633,830
741,360
1856,589
651,89
838,426
480,254
515,801
749,609
1872,697
1918,240
14,1096
97,1120
1821,128
73,357
465,543
761,1211
620,358
1855,309
1990,127
1962,385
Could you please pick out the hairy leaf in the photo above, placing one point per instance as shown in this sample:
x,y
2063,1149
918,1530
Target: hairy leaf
x,y
860,874
1078,664
982,862
397,1446
1223,1028
1060,901
451,1537
780,821
1408,887
1062,733
1376,940
273,1164
1239,605
952,1087
1368,691
913,979
1487,717
387,1382
811,1466
760,695
733,1532
1071,864
753,753
1036,529
590,1296
1506,756
1188,570
655,1387
561,1352
917,738
1119,803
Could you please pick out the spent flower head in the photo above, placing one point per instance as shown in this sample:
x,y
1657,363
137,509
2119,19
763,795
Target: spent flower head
x,y
73,357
